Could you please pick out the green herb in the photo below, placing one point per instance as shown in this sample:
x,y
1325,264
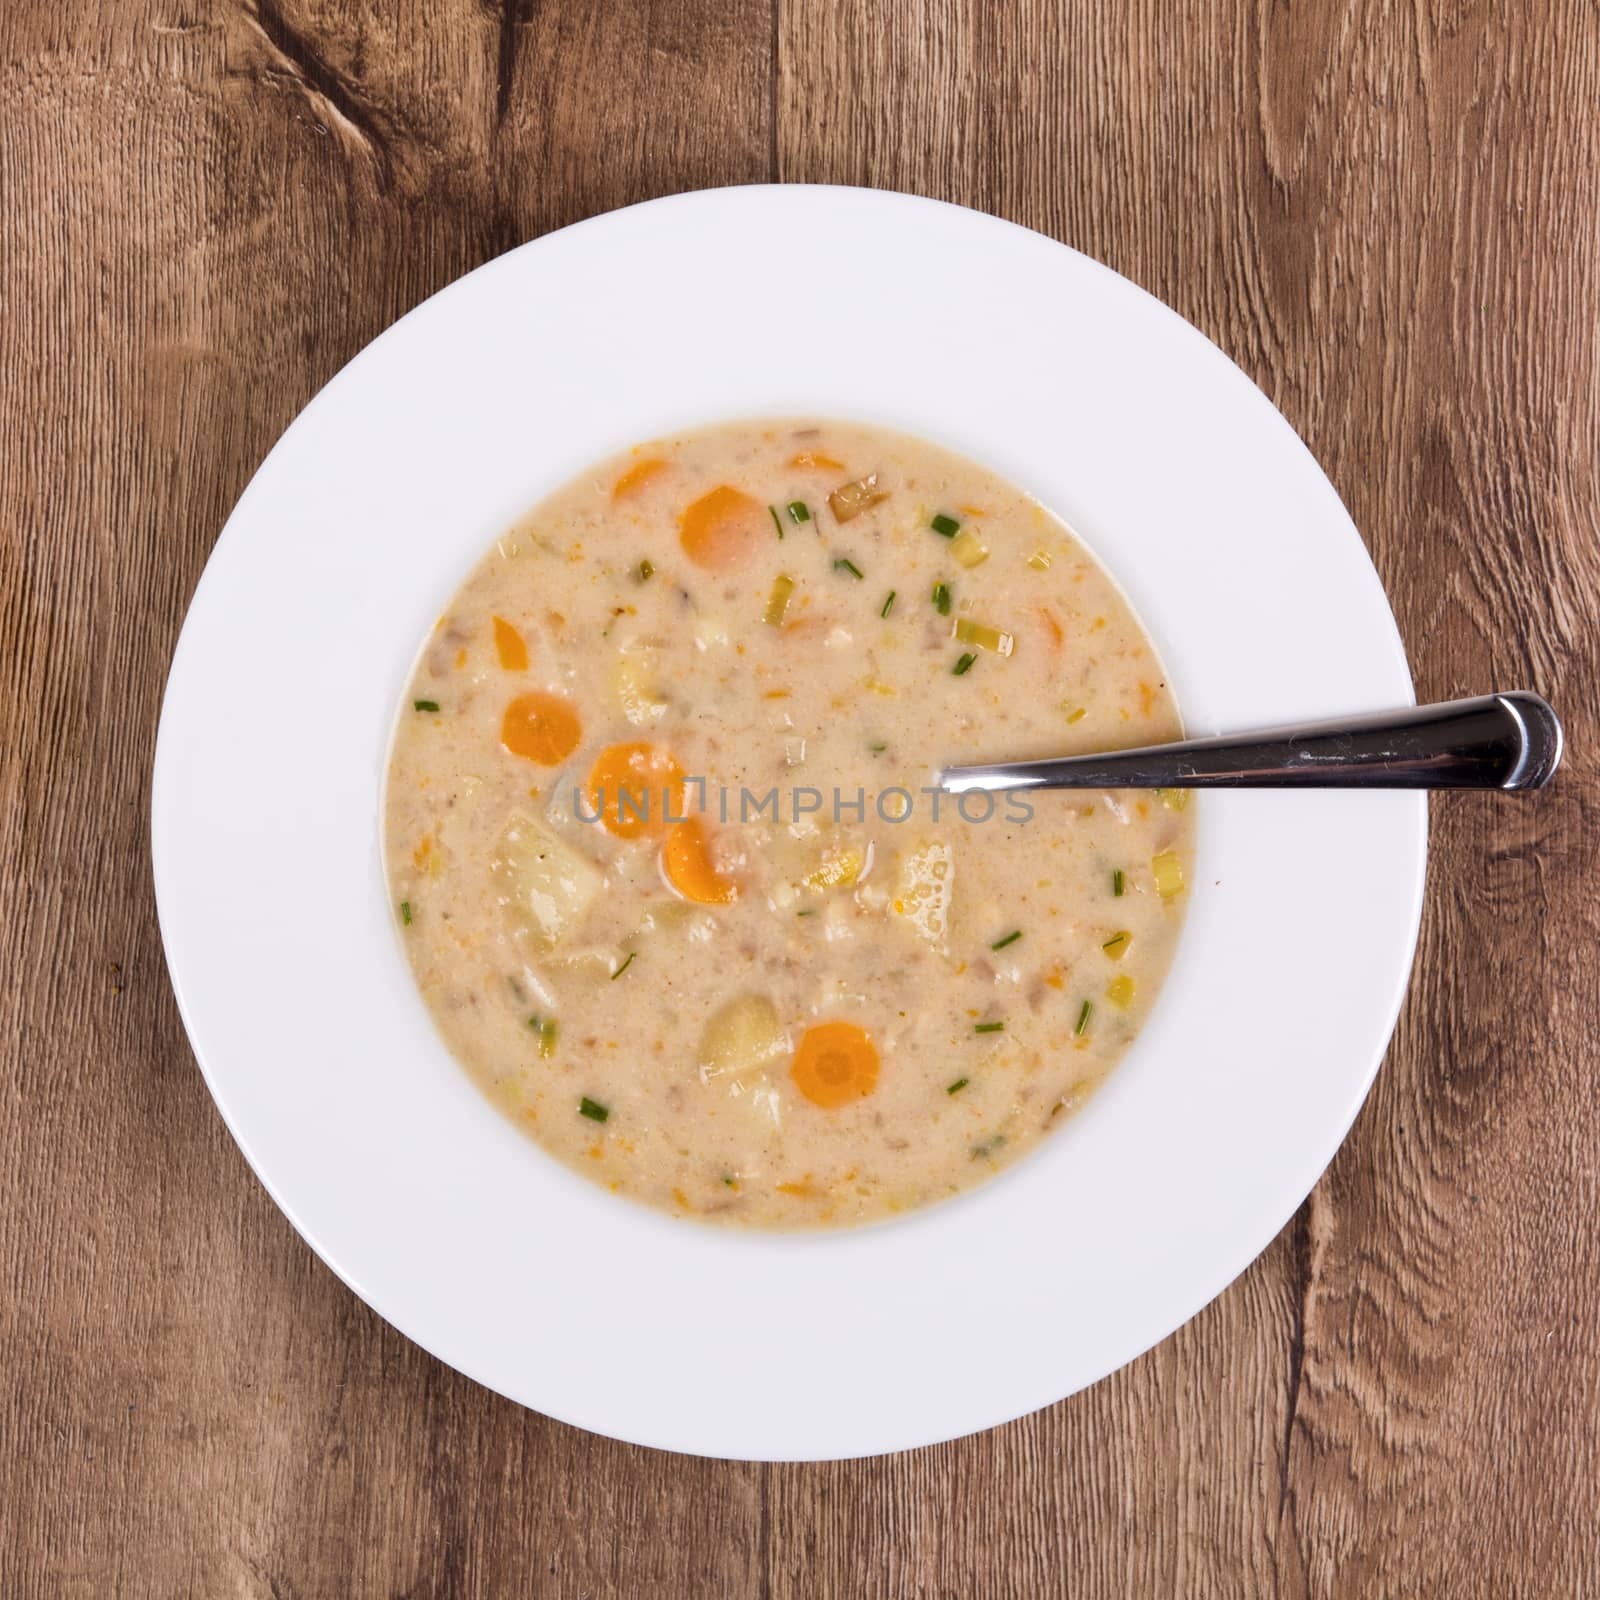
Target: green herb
x,y
1115,943
941,599
647,571
810,911
625,965
775,523
888,605
989,1027
547,1031
425,705
946,527
844,564
988,1147
405,912
1010,938
959,1084
1083,1017
729,1181
592,1109
877,749
964,665
799,511
1117,882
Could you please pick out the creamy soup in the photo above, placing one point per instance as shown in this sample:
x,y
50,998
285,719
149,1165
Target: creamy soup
x,y
667,858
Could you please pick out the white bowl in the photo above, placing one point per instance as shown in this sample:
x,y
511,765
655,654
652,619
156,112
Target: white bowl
x,y
457,1228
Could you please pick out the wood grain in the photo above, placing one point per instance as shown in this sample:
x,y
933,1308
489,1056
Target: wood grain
x,y
1388,214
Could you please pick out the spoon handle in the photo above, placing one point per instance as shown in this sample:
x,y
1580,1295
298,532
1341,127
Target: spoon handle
x,y
1499,741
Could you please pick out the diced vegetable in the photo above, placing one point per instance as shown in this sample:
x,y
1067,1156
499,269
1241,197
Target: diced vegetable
x,y
405,912
544,884
816,459
957,1086
941,599
836,1063
646,570
1168,870
634,689
947,527
540,727
635,478
924,889
841,866
424,705
743,1036
1173,799
849,500
720,529
968,548
687,862
984,636
964,665
989,1027
632,787
548,1030
1120,992
798,511
593,1110
1077,714
778,600
510,646
1117,945
1040,561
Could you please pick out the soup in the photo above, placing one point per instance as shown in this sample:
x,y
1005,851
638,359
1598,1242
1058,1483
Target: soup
x,y
665,846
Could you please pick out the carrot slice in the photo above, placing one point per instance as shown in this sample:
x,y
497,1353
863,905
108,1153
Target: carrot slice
x,y
722,527
686,861
510,646
540,727
631,788
636,477
836,1063
809,460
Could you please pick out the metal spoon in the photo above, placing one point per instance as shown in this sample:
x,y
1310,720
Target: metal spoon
x,y
1500,741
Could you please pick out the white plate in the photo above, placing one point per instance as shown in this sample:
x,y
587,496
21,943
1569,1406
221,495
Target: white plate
x,y
458,1229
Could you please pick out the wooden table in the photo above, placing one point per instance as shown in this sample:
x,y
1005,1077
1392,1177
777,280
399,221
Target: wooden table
x,y
1388,214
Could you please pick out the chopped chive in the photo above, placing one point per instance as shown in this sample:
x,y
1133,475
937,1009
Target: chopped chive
x,y
1010,938
964,665
647,570
844,564
425,705
547,1032
1083,1017
946,527
798,511
877,749
1117,883
959,1084
405,912
810,911
775,523
625,965
888,604
941,599
989,1027
592,1109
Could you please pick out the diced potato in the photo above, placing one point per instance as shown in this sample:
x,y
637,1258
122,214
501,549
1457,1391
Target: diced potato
x,y
634,690
1168,870
1120,992
925,889
851,499
1173,799
840,867
743,1036
968,548
544,884
985,636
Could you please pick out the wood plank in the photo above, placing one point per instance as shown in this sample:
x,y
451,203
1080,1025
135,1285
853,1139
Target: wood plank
x,y
208,208
1387,215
